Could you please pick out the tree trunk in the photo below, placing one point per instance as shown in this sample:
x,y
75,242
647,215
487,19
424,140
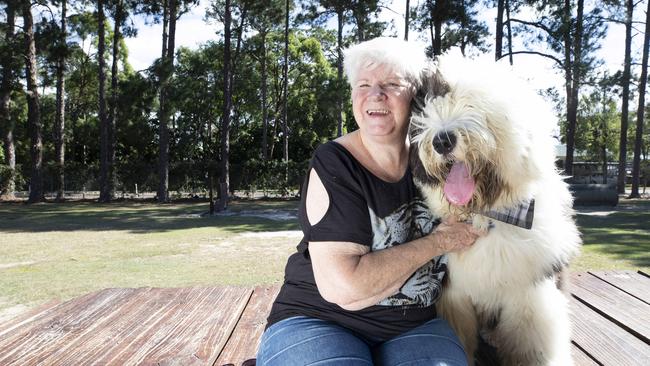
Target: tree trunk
x,y
224,178
339,73
498,40
265,111
6,124
572,113
59,123
285,76
165,29
235,57
117,36
636,163
622,154
509,26
407,20
164,112
605,135
436,19
104,193
569,81
359,14
33,107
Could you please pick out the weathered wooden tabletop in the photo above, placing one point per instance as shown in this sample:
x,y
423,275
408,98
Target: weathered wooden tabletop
x,y
222,325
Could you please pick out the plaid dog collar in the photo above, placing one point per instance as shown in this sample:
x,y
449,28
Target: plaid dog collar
x,y
521,216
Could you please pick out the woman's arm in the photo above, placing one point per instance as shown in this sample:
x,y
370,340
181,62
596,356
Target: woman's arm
x,y
351,276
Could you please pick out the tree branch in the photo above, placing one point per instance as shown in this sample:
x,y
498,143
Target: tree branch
x,y
532,24
557,60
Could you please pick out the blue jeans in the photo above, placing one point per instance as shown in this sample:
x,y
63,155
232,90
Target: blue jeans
x,y
305,341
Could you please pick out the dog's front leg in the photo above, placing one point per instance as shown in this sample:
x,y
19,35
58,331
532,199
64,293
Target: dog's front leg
x,y
458,310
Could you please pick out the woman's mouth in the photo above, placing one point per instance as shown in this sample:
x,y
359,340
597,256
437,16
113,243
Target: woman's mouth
x,y
377,112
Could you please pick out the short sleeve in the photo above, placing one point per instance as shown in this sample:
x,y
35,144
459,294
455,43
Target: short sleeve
x,y
347,217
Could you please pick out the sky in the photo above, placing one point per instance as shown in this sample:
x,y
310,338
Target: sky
x,y
193,31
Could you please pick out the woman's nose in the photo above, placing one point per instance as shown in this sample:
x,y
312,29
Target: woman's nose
x,y
376,91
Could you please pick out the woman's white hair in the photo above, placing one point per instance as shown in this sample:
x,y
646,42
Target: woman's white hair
x,y
403,57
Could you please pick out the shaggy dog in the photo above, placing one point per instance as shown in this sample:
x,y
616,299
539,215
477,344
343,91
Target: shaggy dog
x,y
481,148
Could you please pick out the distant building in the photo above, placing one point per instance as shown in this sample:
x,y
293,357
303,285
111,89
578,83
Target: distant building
x,y
587,171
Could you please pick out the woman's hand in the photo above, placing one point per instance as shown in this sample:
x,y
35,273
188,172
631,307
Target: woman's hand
x,y
453,236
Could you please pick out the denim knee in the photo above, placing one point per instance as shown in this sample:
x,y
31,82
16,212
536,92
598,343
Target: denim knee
x,y
308,341
433,343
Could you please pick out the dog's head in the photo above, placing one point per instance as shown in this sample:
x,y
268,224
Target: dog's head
x,y
478,144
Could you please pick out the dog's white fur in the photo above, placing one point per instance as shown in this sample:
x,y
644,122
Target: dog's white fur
x,y
504,287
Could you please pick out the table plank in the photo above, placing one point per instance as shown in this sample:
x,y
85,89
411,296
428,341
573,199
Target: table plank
x,y
580,358
192,331
631,282
243,343
46,333
612,303
149,326
604,340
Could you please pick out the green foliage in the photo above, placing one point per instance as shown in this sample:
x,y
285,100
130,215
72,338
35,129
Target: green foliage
x,y
257,175
196,99
459,25
598,126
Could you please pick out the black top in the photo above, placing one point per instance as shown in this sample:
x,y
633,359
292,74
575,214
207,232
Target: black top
x,y
366,210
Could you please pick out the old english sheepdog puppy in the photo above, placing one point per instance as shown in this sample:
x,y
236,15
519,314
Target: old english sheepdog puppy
x,y
482,150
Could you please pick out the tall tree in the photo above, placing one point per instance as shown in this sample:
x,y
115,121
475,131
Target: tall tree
x,y
59,123
285,76
407,20
636,163
8,62
625,98
321,11
498,34
364,15
224,178
263,18
450,24
120,9
167,70
33,106
104,174
503,9
570,41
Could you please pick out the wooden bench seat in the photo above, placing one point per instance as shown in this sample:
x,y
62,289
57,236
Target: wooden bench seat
x,y
222,325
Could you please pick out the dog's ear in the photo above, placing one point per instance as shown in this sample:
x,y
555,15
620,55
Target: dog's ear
x,y
432,85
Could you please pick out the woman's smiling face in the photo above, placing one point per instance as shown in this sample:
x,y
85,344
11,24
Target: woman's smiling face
x,y
381,101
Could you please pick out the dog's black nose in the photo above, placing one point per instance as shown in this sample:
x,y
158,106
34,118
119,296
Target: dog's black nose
x,y
444,142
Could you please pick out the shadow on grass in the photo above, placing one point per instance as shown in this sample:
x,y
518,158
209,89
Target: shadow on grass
x,y
138,217
625,235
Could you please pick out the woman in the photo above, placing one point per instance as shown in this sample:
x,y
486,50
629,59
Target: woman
x,y
361,288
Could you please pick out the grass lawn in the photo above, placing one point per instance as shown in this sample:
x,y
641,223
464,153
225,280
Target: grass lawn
x,y
59,251
615,239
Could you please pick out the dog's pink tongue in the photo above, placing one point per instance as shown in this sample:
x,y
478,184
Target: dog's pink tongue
x,y
459,186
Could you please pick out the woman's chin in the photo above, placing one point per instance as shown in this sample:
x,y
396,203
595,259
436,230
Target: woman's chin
x,y
380,129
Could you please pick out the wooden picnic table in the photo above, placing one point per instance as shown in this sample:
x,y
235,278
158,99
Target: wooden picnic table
x,y
222,325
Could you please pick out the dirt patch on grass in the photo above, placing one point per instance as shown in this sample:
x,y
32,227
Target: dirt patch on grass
x,y
16,264
11,312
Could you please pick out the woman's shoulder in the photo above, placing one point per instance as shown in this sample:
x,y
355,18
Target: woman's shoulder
x,y
333,154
